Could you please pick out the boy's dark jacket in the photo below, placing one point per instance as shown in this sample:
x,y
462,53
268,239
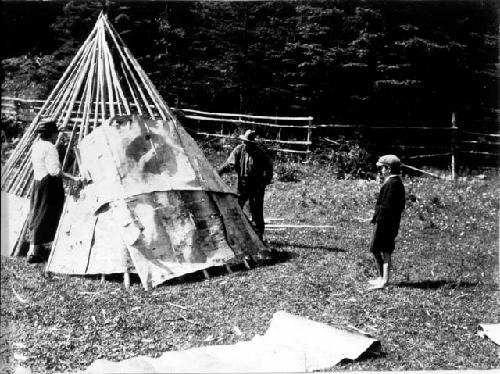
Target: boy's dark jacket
x,y
390,202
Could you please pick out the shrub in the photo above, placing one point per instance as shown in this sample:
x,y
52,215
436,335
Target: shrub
x,y
350,160
11,128
287,173
11,132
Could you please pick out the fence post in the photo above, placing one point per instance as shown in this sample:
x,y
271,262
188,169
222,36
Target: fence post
x,y
309,133
453,145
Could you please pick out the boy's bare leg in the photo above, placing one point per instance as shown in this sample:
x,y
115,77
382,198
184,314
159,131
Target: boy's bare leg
x,y
386,271
386,267
379,262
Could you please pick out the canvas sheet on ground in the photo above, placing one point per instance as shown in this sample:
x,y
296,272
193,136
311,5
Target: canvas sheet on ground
x,y
291,344
130,155
141,216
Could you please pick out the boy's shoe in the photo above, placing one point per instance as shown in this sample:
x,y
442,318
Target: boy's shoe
x,y
377,286
375,281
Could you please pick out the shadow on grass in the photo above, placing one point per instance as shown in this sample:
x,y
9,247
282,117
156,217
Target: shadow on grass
x,y
435,284
277,257
373,352
283,256
281,244
239,269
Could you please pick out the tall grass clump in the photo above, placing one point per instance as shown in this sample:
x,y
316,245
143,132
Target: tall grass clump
x,y
347,158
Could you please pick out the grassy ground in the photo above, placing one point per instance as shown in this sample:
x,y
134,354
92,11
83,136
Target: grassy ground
x,y
444,285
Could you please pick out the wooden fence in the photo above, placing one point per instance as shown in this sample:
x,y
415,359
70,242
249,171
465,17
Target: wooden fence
x,y
20,109
446,143
300,135
284,134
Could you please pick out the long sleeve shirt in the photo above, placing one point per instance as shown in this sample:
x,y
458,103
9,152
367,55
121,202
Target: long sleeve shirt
x,y
390,202
45,159
252,164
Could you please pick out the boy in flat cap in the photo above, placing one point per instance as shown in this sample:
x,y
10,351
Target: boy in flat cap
x,y
390,204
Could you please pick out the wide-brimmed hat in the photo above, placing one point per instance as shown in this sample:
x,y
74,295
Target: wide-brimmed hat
x,y
389,160
47,127
249,136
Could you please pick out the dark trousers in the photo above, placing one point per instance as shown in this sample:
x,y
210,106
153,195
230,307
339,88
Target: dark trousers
x,y
384,236
255,197
46,205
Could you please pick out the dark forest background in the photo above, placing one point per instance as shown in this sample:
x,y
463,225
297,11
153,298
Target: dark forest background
x,y
356,62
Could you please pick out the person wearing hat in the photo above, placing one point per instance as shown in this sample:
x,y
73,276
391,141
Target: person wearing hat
x,y
47,195
386,219
254,168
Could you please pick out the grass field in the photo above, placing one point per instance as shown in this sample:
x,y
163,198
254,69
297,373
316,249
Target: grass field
x,y
445,283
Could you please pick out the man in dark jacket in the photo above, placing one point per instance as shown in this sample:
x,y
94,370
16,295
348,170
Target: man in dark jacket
x,y
390,204
254,168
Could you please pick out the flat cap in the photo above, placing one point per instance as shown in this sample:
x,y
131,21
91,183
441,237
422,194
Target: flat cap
x,y
47,127
249,136
389,160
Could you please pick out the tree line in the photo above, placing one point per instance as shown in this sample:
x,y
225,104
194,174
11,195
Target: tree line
x,y
360,62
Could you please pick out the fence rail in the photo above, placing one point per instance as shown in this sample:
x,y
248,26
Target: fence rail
x,y
382,127
248,116
300,135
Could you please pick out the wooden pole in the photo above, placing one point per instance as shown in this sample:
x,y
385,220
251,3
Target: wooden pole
x,y
23,176
16,251
76,88
158,102
66,104
107,75
126,280
453,145
309,135
420,170
131,90
129,60
100,80
27,190
97,93
19,156
118,87
58,101
285,226
29,138
86,99
127,72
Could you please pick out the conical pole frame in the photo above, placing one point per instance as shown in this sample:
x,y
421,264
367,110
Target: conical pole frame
x,y
102,80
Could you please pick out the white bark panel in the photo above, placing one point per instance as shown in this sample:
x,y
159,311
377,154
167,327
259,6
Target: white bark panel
x,y
14,211
133,156
72,244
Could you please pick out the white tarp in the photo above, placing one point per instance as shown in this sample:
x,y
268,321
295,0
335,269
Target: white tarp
x,y
491,330
14,209
292,344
